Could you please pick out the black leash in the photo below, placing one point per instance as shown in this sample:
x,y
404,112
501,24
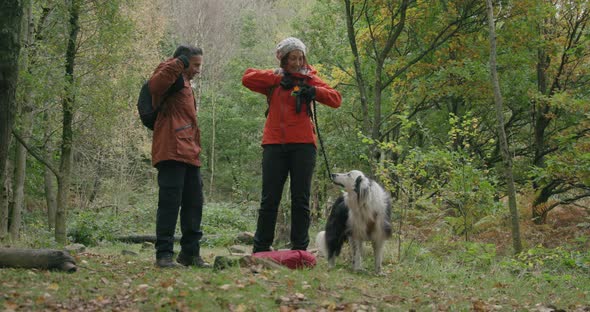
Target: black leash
x,y
317,127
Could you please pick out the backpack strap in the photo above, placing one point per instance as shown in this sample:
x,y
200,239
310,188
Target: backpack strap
x,y
268,96
195,100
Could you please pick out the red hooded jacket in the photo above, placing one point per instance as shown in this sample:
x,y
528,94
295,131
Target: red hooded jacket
x,y
283,125
176,131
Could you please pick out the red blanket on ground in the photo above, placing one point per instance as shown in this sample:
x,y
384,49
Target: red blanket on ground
x,y
293,259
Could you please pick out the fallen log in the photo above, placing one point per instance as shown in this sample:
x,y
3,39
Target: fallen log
x,y
138,239
47,259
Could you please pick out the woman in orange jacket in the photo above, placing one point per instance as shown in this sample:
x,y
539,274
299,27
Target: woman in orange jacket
x,y
288,141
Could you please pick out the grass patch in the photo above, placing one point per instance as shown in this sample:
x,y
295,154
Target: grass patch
x,y
108,280
436,273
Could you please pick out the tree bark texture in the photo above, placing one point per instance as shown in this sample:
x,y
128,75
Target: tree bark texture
x,y
507,159
47,259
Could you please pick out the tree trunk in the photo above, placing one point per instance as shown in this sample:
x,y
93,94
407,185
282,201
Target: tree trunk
x,y
507,159
19,182
540,207
361,85
212,161
11,15
50,198
63,181
541,122
26,126
47,259
50,194
541,111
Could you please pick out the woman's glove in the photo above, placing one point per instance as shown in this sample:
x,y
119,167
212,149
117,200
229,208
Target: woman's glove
x,y
307,93
287,81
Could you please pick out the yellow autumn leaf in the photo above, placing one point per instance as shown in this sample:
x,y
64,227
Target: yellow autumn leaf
x,y
53,286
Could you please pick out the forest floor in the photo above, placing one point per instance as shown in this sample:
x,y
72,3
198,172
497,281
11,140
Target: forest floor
x,y
451,277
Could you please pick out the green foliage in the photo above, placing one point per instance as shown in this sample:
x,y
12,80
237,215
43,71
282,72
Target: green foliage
x,y
478,254
549,262
470,194
91,227
35,232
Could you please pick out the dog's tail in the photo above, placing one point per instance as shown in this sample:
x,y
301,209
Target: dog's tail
x,y
320,242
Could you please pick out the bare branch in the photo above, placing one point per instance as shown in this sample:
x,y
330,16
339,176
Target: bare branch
x,y
35,154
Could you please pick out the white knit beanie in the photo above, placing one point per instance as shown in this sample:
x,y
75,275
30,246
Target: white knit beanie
x,y
288,45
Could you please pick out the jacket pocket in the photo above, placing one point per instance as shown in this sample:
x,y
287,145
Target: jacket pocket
x,y
185,141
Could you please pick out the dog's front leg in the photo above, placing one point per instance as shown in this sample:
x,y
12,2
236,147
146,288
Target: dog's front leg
x,y
331,262
357,246
378,252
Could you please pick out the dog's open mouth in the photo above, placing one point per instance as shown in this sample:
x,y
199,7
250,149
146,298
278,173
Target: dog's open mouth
x,y
337,183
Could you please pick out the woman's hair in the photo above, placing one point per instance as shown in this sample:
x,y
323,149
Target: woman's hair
x,y
187,50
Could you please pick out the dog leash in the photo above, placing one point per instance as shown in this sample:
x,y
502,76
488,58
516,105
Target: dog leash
x,y
317,127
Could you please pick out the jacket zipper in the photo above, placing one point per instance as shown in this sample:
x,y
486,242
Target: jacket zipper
x,y
281,123
188,126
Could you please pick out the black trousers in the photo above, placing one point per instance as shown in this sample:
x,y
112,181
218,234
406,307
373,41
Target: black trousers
x,y
279,161
181,188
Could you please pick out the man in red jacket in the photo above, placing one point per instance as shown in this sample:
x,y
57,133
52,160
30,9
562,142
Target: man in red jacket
x,y
176,146
288,141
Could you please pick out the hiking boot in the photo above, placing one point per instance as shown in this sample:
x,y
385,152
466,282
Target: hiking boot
x,y
166,262
195,261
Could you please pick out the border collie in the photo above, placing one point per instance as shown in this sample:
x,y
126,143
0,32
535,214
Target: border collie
x,y
360,214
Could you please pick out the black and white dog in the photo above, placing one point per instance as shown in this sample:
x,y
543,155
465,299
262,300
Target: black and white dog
x,y
360,214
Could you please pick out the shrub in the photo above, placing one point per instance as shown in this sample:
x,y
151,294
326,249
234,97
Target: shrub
x,y
91,227
549,261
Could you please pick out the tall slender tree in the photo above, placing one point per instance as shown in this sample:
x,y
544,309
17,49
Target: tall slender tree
x,y
11,15
507,159
65,167
26,113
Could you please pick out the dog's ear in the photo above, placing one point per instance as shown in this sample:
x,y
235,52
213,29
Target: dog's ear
x,y
361,188
357,184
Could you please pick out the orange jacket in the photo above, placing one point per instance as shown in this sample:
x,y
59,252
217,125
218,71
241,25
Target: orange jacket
x,y
283,125
176,131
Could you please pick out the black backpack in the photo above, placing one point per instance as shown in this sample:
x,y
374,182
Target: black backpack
x,y
147,113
